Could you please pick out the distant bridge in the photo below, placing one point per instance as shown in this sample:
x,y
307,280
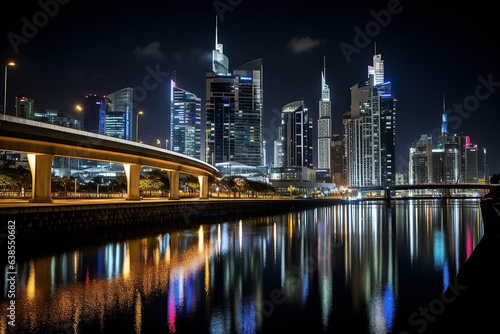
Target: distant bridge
x,y
446,187
42,141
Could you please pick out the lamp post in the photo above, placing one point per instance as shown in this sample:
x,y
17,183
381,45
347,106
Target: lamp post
x,y
79,109
485,167
137,125
5,88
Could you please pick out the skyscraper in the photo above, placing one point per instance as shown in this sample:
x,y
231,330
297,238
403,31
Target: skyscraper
x,y
249,106
94,113
387,105
420,161
470,168
325,144
185,122
233,106
296,131
118,117
446,155
371,131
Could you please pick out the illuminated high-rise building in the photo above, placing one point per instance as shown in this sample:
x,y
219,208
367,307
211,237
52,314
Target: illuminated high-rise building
x,y
233,106
249,108
325,144
25,107
420,161
296,125
470,162
371,131
185,122
118,117
94,113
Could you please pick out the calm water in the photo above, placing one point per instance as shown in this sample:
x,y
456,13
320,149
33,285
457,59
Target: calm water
x,y
354,268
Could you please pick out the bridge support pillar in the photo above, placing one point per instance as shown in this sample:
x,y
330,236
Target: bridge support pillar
x,y
203,187
387,194
447,192
173,178
41,174
133,175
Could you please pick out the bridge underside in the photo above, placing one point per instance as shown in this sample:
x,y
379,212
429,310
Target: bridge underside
x,y
41,145
41,171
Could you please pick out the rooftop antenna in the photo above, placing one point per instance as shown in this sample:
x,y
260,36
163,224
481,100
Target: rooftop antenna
x,y
216,38
324,66
444,105
375,47
444,119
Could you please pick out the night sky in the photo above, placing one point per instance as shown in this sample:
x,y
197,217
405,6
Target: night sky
x,y
430,51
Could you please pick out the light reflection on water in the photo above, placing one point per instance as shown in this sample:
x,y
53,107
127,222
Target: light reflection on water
x,y
364,266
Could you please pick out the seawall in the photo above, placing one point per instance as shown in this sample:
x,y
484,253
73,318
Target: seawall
x,y
67,225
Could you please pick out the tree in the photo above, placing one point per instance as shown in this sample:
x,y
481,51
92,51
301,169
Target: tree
x,y
7,182
118,184
150,184
160,176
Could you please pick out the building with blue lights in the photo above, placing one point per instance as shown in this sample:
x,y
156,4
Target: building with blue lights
x,y
94,113
185,122
233,106
118,119
371,131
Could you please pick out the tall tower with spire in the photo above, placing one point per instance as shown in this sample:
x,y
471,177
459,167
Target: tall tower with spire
x,y
444,121
324,170
220,62
371,131
233,109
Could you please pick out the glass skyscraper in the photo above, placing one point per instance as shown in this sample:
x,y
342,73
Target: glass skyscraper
x,y
94,113
371,131
185,122
118,117
233,106
296,127
324,171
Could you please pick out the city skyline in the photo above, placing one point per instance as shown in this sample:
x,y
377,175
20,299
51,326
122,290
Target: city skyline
x,y
429,52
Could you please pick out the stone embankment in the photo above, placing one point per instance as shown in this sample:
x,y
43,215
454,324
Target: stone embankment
x,y
78,223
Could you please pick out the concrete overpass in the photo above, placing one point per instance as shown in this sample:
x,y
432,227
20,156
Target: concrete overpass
x,y
42,141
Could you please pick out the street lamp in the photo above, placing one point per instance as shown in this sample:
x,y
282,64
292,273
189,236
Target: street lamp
x,y
485,167
5,88
137,125
79,109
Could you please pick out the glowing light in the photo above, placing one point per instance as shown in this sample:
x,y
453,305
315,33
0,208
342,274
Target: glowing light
x,y
30,286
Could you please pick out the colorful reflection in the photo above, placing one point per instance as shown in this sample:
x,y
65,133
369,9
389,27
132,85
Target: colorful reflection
x,y
323,267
